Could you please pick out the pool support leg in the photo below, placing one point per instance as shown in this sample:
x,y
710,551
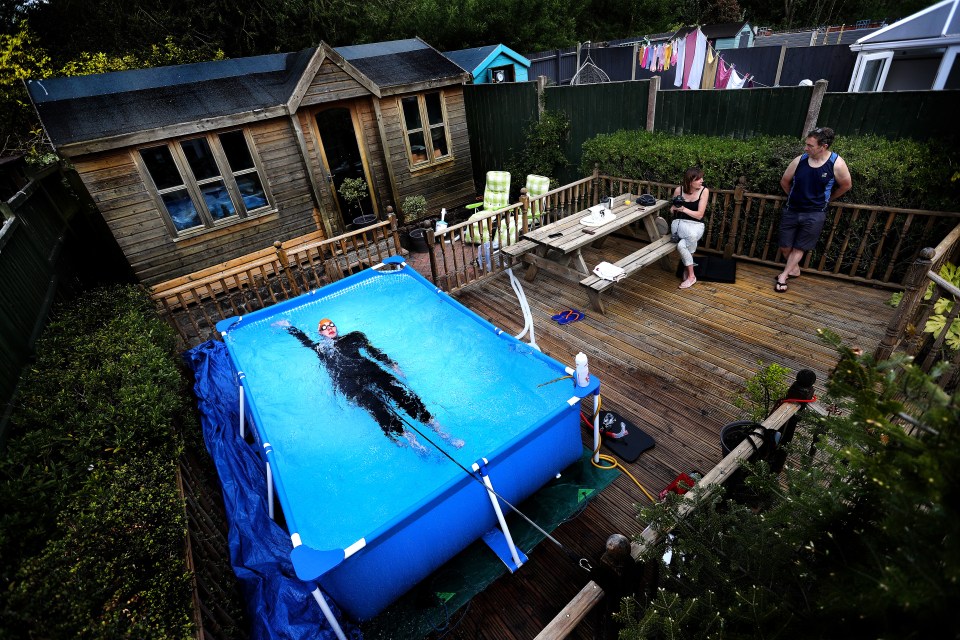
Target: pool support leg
x,y
318,596
268,450
242,415
481,467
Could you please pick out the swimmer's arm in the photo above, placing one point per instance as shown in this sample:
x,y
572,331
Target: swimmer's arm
x,y
301,336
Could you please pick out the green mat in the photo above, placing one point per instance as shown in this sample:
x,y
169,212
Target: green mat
x,y
432,604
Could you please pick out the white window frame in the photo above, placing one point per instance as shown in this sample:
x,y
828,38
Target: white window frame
x,y
946,65
192,184
425,130
862,61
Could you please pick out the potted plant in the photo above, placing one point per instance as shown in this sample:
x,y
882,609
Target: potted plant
x,y
354,190
414,208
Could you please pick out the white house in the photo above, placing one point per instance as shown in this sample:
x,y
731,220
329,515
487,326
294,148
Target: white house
x,y
915,53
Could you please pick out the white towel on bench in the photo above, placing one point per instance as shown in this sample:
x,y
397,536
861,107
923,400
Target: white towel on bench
x,y
608,271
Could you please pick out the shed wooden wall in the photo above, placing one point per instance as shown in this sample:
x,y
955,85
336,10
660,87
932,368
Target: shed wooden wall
x,y
131,213
448,184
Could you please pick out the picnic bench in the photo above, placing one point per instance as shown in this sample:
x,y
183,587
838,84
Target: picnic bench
x,y
643,257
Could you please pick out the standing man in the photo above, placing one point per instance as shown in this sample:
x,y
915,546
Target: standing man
x,y
811,181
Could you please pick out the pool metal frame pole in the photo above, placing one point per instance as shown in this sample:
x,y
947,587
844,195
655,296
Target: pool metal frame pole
x,y
242,413
268,449
596,427
481,468
318,596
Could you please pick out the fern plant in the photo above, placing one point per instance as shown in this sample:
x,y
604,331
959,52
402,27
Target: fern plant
x,y
941,308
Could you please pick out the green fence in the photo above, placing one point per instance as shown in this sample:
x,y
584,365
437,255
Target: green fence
x,y
595,109
498,116
733,114
892,114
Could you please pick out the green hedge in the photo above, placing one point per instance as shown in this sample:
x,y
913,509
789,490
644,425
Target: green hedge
x,y
92,528
895,173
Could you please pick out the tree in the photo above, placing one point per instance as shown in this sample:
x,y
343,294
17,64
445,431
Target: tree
x,y
861,537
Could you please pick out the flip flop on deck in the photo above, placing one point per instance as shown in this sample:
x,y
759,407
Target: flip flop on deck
x,y
621,436
568,315
779,287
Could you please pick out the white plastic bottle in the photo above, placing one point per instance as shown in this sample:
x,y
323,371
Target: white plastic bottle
x,y
582,372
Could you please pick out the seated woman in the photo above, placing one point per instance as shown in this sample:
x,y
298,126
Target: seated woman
x,y
689,206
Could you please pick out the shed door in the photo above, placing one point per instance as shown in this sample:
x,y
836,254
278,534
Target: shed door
x,y
341,151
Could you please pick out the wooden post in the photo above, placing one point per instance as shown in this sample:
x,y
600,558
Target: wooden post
x,y
541,88
633,66
524,208
431,240
392,217
285,267
652,92
813,110
783,53
735,222
915,285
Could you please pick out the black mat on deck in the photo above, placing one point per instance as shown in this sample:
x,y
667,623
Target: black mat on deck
x,y
712,269
630,445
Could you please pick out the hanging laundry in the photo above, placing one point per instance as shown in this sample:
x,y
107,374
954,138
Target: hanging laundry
x,y
689,53
673,53
681,47
696,69
667,52
643,56
723,74
709,70
736,82
749,84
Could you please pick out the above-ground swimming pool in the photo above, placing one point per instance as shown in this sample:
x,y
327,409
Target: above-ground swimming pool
x,y
370,512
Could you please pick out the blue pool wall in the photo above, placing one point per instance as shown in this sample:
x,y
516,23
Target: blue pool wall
x,y
415,543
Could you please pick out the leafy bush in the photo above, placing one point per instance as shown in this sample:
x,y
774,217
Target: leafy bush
x,y
858,536
893,173
413,208
542,151
92,525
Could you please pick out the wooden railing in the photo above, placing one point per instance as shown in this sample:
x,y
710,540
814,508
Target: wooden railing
x,y
872,245
923,288
194,304
455,262
592,593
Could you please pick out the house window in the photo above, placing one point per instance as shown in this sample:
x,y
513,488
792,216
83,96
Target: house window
x,y
426,128
206,181
870,71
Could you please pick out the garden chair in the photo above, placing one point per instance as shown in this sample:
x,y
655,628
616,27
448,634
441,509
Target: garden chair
x,y
536,187
496,196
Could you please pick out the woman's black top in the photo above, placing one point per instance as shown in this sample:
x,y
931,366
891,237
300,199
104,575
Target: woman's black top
x,y
692,206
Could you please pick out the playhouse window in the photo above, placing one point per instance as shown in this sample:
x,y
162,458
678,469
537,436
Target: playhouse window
x,y
205,181
424,119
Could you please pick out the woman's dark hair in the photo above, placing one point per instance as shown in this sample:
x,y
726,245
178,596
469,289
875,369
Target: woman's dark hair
x,y
691,174
824,135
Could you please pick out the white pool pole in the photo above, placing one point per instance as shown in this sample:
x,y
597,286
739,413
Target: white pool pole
x,y
596,427
242,414
482,470
269,449
328,614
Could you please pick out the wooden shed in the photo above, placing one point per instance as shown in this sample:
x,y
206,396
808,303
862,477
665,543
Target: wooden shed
x,y
493,63
194,165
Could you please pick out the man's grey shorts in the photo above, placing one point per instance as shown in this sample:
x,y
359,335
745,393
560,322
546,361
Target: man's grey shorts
x,y
801,229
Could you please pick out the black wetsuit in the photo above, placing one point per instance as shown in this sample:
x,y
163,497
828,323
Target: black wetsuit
x,y
360,372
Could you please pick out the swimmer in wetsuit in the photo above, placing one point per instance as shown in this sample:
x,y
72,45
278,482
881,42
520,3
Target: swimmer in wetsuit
x,y
368,377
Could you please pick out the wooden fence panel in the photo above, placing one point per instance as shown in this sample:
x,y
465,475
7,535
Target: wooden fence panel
x,y
736,114
498,116
595,109
892,114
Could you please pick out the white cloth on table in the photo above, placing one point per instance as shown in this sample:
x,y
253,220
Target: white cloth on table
x,y
608,271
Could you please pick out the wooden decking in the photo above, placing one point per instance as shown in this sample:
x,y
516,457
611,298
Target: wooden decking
x,y
672,361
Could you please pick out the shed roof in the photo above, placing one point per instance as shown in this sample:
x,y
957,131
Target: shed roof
x,y
101,107
940,21
476,59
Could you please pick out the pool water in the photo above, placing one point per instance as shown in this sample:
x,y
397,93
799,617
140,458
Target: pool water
x,y
346,478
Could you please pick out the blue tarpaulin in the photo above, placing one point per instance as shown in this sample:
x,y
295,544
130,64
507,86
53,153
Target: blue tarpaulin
x,y
279,604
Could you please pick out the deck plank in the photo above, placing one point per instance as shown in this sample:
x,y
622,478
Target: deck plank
x,y
672,361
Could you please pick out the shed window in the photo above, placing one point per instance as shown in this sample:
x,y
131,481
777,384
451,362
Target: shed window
x,y
206,180
424,118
